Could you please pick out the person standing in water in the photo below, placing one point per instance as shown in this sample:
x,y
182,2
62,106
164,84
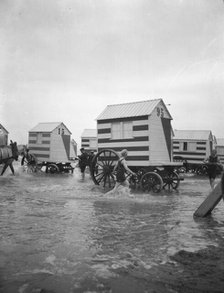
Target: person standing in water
x,y
120,169
213,164
83,162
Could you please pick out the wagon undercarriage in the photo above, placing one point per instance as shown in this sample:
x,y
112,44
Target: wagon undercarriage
x,y
48,167
154,177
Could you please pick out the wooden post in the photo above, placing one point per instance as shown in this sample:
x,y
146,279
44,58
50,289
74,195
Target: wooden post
x,y
211,200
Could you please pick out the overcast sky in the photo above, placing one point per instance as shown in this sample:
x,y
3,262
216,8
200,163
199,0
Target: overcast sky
x,y
66,60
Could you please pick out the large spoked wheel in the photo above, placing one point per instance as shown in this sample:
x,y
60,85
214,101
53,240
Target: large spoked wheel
x,y
135,180
202,170
52,168
171,180
102,168
151,181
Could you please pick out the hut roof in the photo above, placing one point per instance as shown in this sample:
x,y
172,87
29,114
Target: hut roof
x,y
133,109
47,127
193,134
89,133
3,128
220,141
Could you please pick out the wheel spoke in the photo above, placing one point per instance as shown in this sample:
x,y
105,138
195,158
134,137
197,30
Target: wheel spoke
x,y
171,180
165,184
102,168
105,181
174,184
99,165
99,174
151,181
100,178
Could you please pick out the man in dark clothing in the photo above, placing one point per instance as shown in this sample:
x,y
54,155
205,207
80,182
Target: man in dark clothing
x,y
83,162
212,163
90,158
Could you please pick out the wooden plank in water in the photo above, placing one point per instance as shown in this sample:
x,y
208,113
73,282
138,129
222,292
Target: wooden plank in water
x,y
211,201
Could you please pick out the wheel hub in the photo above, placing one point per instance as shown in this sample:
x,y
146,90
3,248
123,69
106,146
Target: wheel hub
x,y
106,170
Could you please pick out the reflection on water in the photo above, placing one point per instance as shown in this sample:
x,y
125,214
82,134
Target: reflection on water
x,y
57,232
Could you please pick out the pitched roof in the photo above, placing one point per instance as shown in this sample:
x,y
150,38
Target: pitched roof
x,y
192,134
220,141
130,109
89,133
47,127
2,127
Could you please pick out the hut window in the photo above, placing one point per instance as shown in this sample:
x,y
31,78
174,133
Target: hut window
x,y
191,147
116,130
127,129
185,146
93,143
39,137
59,130
63,131
120,130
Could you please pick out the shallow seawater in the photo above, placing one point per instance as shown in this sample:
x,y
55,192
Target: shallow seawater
x,y
61,235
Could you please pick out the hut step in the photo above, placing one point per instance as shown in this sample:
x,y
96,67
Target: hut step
x,y
211,201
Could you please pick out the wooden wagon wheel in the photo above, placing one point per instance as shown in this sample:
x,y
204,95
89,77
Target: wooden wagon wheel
x,y
52,168
151,181
102,168
28,167
171,180
202,170
135,180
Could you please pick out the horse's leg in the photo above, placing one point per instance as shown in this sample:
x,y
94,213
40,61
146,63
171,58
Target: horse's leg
x,y
4,168
8,163
12,169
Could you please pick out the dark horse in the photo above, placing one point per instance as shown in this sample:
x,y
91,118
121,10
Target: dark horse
x,y
7,155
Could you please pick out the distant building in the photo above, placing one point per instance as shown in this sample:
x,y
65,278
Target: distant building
x,y
3,136
192,145
220,149
89,139
143,128
50,141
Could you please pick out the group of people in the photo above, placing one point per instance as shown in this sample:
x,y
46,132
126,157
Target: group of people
x,y
122,170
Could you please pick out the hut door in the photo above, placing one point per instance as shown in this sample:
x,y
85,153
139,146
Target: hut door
x,y
167,134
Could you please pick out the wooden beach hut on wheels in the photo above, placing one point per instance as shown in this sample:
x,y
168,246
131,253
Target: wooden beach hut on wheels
x,y
144,129
3,136
50,143
193,146
89,140
220,149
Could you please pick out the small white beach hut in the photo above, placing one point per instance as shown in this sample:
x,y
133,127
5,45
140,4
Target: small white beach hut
x,y
50,142
220,149
3,136
89,139
192,145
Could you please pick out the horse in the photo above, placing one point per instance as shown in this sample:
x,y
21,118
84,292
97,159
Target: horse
x,y
7,155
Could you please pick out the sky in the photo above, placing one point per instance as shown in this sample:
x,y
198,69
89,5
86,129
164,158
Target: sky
x,y
66,60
